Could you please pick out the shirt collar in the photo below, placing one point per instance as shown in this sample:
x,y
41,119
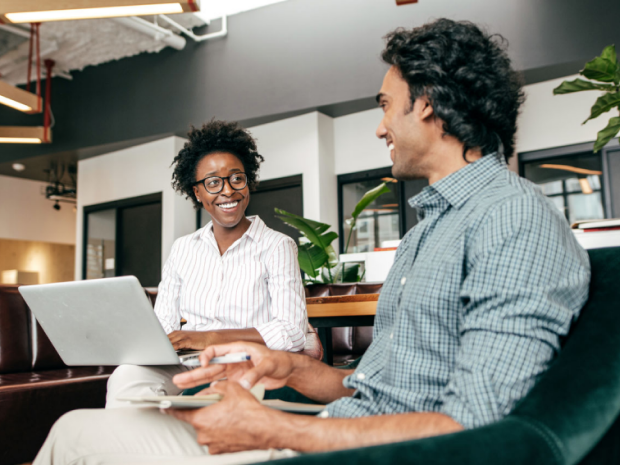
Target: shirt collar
x,y
254,232
456,188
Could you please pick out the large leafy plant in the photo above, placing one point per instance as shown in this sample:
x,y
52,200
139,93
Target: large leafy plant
x,y
605,72
317,257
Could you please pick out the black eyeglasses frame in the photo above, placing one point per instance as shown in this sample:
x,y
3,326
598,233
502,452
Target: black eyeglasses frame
x,y
223,178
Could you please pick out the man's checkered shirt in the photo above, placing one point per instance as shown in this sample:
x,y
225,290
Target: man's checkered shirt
x,y
471,314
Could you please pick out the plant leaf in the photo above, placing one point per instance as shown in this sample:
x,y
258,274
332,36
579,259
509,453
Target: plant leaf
x,y
311,259
351,272
368,198
307,230
609,53
603,68
603,104
578,85
605,135
331,253
319,227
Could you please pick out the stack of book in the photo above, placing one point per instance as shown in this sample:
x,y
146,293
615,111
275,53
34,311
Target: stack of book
x,y
596,234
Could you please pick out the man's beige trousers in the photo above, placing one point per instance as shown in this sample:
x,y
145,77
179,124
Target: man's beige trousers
x,y
134,436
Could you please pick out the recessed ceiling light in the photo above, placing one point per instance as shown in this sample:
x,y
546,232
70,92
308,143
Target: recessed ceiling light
x,y
18,167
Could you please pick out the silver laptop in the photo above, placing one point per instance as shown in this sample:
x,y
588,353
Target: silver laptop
x,y
106,321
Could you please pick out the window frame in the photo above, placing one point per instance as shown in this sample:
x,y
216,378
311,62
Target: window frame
x,y
576,149
369,175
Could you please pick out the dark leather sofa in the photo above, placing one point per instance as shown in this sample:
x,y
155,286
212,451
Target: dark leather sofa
x,y
36,387
570,416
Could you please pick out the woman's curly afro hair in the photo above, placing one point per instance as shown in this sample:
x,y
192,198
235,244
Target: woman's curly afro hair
x,y
467,76
214,136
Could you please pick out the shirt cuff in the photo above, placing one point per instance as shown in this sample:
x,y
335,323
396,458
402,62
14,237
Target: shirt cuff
x,y
278,337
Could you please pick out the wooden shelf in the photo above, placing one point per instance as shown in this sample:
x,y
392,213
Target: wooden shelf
x,y
346,305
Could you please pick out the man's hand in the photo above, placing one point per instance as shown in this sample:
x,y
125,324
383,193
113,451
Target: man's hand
x,y
236,423
190,340
269,367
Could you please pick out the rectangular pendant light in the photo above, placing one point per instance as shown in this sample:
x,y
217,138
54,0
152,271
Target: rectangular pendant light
x,y
24,135
38,11
19,99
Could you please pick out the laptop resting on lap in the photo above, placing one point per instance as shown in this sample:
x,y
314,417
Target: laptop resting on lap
x,y
106,321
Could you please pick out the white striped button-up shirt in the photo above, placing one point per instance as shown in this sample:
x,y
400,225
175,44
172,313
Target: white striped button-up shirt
x,y
256,283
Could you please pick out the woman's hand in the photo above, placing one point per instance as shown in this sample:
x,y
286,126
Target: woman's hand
x,y
269,367
190,340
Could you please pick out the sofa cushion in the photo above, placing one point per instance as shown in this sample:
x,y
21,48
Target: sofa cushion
x,y
15,355
44,355
38,379
30,403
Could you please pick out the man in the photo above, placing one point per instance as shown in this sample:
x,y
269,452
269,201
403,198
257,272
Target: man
x,y
469,317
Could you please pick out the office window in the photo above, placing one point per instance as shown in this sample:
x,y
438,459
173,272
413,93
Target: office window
x,y
574,183
385,220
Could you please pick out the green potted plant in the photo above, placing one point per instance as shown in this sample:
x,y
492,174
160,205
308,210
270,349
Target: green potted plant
x,y
603,73
317,257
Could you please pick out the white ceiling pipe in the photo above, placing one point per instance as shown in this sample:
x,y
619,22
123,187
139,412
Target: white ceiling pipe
x,y
214,35
159,33
16,30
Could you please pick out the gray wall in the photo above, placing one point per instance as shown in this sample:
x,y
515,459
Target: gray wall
x,y
293,57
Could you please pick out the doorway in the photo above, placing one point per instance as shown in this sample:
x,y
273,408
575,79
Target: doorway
x,y
123,238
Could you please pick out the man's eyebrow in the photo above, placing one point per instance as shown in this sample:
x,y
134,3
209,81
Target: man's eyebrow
x,y
379,96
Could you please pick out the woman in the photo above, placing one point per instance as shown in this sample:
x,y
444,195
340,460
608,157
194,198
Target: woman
x,y
235,278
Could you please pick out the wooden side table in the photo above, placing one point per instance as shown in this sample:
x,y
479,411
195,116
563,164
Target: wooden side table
x,y
325,313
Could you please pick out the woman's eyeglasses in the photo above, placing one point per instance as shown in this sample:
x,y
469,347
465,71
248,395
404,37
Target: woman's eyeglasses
x,y
215,184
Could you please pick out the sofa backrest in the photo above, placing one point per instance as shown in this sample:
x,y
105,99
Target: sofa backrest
x,y
24,346
578,399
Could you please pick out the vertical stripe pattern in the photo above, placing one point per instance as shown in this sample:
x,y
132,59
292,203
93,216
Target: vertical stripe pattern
x,y
256,283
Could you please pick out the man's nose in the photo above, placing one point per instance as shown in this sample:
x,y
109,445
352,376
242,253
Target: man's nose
x,y
381,131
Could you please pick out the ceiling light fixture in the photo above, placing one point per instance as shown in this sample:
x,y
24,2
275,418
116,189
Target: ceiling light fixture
x,y
572,169
18,167
38,11
19,99
24,135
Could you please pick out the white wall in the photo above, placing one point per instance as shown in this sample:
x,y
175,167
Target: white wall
x,y
356,146
26,215
549,120
302,145
140,170
545,121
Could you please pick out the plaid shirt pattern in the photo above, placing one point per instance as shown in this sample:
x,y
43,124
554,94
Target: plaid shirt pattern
x,y
472,311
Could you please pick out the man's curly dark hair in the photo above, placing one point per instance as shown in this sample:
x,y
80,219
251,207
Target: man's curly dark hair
x,y
214,136
466,75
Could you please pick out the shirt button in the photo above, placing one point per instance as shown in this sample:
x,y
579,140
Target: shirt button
x,y
361,376
391,335
403,280
324,414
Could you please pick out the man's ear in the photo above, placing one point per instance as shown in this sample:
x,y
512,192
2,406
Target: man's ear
x,y
424,108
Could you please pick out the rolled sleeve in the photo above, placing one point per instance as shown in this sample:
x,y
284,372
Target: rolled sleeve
x,y
526,281
288,323
169,294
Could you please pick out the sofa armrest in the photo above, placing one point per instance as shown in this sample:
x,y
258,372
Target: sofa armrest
x,y
510,441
